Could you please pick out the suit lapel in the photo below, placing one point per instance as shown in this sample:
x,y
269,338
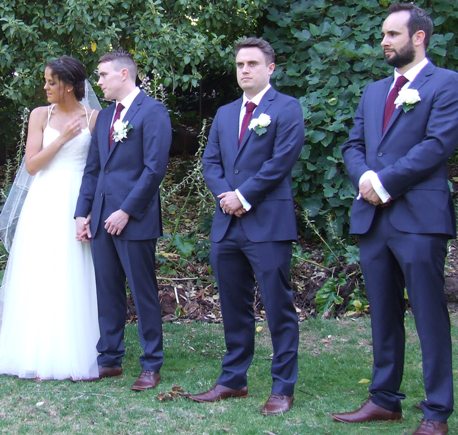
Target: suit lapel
x,y
380,108
233,120
104,146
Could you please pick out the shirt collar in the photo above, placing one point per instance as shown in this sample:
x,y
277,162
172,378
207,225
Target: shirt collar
x,y
129,99
257,98
412,73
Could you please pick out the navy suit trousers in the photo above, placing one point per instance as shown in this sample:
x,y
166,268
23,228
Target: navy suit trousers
x,y
392,260
114,260
237,262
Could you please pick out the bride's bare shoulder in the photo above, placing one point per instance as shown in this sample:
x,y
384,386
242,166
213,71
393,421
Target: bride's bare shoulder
x,y
39,115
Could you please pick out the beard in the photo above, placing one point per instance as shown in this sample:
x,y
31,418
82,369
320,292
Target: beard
x,y
403,57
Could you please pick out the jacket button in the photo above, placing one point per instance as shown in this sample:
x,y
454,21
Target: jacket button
x,y
380,154
236,171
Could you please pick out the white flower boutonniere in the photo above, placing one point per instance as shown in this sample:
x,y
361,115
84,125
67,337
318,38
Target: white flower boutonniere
x,y
260,124
120,130
407,98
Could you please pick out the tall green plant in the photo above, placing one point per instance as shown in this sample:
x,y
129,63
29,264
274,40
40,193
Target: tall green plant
x,y
12,164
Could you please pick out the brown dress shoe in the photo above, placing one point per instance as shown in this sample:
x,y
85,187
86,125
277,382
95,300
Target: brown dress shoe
x,y
368,411
277,404
109,372
431,427
218,392
147,379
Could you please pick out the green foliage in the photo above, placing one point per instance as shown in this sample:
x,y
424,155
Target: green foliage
x,y
180,40
328,296
179,43
12,165
326,53
187,207
358,302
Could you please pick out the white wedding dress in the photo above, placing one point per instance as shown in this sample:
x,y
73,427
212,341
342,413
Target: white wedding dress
x,y
49,327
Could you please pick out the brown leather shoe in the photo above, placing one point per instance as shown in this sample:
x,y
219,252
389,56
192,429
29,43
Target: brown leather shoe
x,y
277,404
431,427
368,411
109,372
218,392
147,379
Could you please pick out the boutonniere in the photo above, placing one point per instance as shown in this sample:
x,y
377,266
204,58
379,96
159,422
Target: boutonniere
x,y
260,124
120,130
407,98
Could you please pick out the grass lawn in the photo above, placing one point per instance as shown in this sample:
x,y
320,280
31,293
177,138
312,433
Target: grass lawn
x,y
335,365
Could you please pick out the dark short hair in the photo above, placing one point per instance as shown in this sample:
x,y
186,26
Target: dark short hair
x,y
122,59
419,19
260,43
70,71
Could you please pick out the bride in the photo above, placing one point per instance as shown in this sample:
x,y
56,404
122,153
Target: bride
x,y
49,327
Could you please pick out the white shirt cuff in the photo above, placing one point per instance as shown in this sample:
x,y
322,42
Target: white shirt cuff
x,y
376,184
245,204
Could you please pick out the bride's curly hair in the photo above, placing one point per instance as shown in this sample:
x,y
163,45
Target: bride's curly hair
x,y
70,71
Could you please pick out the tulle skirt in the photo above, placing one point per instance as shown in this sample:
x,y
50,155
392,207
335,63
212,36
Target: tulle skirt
x,y
48,306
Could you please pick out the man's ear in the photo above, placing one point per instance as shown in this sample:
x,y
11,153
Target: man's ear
x,y
124,73
271,67
418,38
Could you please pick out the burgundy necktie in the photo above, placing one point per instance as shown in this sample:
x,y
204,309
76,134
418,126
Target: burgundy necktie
x,y
389,105
249,108
117,115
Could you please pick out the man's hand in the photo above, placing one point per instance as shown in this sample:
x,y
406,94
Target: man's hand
x,y
368,193
83,233
230,203
116,222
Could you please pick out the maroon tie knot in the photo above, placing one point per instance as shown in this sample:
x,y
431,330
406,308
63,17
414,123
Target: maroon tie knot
x,y
118,111
400,82
250,106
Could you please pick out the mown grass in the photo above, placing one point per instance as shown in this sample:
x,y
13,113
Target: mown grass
x,y
335,356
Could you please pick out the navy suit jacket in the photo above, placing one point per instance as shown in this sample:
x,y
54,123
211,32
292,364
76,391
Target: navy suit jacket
x,y
410,157
127,175
260,167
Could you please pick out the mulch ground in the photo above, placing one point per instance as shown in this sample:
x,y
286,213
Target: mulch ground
x,y
196,297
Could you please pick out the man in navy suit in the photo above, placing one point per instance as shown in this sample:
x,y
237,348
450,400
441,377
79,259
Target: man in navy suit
x,y
396,156
252,147
119,210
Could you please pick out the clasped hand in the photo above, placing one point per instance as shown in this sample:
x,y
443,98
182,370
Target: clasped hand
x,y
83,232
368,193
115,223
230,204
